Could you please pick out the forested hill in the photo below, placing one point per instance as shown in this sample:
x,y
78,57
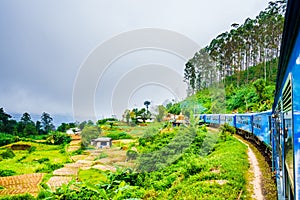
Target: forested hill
x,y
255,96
236,72
230,54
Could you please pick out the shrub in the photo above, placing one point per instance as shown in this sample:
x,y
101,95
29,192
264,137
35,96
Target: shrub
x,y
7,139
58,138
131,155
7,154
31,149
49,167
18,197
6,172
42,160
103,121
22,158
102,155
118,136
226,131
89,133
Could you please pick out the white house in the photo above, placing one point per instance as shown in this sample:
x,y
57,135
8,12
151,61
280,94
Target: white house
x,y
73,131
103,142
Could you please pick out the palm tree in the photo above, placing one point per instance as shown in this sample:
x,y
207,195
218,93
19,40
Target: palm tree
x,y
147,103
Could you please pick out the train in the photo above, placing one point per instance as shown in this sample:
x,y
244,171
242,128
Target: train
x,y
278,129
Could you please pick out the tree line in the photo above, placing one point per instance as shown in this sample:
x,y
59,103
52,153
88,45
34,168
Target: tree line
x,y
25,126
253,42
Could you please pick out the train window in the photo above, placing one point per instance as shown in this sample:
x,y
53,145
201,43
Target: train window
x,y
278,128
288,146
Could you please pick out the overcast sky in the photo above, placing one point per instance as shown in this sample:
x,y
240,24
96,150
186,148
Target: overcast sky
x,y
45,43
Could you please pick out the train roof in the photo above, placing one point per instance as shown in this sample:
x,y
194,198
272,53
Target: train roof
x,y
289,36
268,112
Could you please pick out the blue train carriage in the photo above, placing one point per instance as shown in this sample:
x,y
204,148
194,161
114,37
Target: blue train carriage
x,y
222,119
208,118
286,108
244,124
230,119
215,120
202,119
262,128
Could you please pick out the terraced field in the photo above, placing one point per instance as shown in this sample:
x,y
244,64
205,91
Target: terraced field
x,y
27,183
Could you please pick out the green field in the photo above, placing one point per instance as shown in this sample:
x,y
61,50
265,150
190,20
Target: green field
x,y
43,158
210,167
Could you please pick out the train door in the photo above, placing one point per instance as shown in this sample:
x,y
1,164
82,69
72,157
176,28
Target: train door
x,y
278,150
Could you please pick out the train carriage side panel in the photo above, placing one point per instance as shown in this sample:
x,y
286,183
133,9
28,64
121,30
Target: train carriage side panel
x,y
261,127
202,118
222,119
215,119
244,122
292,120
208,118
286,108
230,119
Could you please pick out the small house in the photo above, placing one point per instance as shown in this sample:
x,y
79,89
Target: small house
x,y
103,142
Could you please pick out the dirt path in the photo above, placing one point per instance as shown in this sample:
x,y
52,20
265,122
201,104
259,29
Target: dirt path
x,y
256,182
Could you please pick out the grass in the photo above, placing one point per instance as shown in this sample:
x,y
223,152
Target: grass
x,y
26,163
91,176
222,175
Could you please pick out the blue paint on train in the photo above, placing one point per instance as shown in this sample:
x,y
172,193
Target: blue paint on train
x,y
230,120
262,127
244,122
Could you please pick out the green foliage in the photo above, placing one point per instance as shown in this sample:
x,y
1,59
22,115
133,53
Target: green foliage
x,y
58,138
49,167
7,172
18,197
7,139
131,155
103,121
161,111
46,121
8,153
102,155
119,135
26,163
6,124
255,97
31,149
89,133
65,126
217,174
226,131
174,108
42,160
79,151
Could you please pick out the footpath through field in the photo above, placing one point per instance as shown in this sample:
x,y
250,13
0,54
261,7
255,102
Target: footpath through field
x,y
256,182
257,175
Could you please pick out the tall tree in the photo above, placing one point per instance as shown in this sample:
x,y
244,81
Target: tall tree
x,y
26,126
46,121
147,103
7,125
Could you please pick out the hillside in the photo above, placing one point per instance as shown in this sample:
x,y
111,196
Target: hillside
x,y
253,94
